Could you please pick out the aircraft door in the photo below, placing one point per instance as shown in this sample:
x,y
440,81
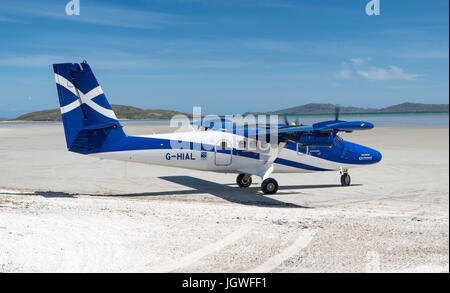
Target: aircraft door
x,y
223,153
302,150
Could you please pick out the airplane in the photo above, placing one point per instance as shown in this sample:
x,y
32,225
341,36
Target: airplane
x,y
92,128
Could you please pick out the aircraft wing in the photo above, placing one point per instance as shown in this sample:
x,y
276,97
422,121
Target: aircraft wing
x,y
229,125
326,126
319,134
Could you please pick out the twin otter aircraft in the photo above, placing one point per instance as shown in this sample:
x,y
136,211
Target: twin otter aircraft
x,y
92,128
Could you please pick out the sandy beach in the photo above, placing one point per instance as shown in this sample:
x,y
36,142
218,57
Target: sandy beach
x,y
64,212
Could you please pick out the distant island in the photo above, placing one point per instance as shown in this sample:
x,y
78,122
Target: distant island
x,y
129,112
330,108
121,111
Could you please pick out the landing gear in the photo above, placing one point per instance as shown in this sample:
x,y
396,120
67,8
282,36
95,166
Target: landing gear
x,y
244,180
269,186
345,179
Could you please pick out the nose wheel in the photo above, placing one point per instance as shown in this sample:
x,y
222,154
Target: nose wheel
x,y
345,179
269,186
244,180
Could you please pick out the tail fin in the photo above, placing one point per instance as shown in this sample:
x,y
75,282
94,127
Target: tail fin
x,y
89,121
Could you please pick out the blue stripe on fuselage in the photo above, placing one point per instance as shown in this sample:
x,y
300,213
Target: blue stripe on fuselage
x,y
298,165
135,143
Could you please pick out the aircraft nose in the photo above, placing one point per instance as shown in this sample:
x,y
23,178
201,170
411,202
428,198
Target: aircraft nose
x,y
376,156
368,155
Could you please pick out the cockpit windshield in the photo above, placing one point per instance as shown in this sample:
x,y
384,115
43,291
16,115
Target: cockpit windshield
x,y
337,140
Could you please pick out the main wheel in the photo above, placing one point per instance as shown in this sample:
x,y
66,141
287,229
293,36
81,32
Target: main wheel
x,y
345,179
269,186
244,180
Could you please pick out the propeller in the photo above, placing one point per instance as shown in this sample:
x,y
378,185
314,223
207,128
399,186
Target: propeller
x,y
337,111
291,124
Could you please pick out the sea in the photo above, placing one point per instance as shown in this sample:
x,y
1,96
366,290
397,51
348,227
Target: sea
x,y
416,120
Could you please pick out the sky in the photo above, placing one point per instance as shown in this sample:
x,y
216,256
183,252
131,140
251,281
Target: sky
x,y
229,56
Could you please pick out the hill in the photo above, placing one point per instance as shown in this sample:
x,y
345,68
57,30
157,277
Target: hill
x,y
129,112
315,108
416,107
122,112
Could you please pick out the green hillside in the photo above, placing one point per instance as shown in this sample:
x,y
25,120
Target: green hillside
x,y
330,109
122,112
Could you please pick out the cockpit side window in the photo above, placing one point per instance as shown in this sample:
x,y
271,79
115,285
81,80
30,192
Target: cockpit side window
x,y
337,140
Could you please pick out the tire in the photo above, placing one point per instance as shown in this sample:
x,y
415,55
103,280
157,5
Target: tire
x,y
269,186
240,180
345,180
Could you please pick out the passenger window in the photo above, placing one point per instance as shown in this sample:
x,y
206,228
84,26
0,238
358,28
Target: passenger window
x,y
223,145
242,144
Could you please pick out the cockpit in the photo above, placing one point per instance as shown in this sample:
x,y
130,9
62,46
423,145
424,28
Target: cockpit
x,y
337,140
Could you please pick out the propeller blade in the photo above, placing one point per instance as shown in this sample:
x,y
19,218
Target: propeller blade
x,y
336,113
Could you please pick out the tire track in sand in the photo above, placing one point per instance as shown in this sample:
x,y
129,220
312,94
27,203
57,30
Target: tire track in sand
x,y
273,262
202,252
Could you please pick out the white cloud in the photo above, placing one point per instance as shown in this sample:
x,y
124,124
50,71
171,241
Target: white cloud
x,y
391,73
359,61
358,66
344,73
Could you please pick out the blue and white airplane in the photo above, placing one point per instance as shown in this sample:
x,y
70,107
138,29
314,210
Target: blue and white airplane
x,y
92,128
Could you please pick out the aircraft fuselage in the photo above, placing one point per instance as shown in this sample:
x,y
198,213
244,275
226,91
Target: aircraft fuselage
x,y
229,153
